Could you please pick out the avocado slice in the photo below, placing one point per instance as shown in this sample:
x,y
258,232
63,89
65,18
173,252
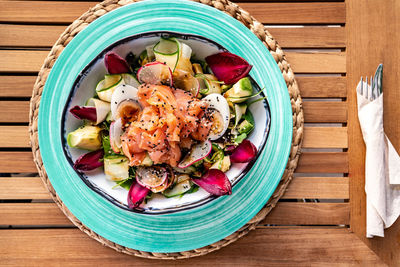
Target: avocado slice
x,y
85,137
146,161
222,164
245,127
116,168
240,91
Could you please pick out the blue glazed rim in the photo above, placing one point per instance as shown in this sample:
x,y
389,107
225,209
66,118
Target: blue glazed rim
x,y
184,230
99,190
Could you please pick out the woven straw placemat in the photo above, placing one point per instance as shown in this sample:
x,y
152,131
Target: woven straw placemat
x,y
258,29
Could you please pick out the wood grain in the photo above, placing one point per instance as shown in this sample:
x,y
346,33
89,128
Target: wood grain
x,y
318,247
310,37
22,188
320,162
14,136
325,137
286,213
30,61
314,137
310,87
24,164
299,188
310,162
270,13
18,111
325,111
316,187
317,62
16,86
363,29
12,35
14,111
315,87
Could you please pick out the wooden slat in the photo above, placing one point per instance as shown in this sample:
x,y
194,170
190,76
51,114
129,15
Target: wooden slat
x,y
14,136
298,213
29,35
16,86
30,61
275,246
325,111
14,111
286,213
22,188
325,137
9,164
32,214
311,87
314,137
300,187
270,13
320,162
317,62
317,188
322,86
332,162
18,111
307,37
21,60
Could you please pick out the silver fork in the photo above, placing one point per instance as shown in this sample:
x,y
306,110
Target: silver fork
x,y
374,90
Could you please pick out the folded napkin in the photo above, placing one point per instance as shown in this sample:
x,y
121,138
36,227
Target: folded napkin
x,y
382,167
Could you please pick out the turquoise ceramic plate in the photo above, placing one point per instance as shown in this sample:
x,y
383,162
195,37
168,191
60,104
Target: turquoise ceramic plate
x,y
184,230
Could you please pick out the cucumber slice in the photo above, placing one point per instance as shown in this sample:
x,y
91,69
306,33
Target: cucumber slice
x,y
116,168
178,189
131,80
240,109
167,51
106,87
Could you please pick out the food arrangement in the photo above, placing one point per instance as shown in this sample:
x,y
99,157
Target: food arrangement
x,y
166,123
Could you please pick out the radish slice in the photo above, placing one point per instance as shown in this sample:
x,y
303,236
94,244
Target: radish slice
x,y
160,188
120,94
89,161
151,177
215,182
102,108
115,135
128,110
228,67
245,152
136,195
155,73
198,152
116,64
84,113
186,81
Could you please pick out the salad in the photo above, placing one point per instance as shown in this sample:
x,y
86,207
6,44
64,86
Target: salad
x,y
166,123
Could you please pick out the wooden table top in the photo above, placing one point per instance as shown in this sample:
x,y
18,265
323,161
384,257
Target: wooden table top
x,y
321,217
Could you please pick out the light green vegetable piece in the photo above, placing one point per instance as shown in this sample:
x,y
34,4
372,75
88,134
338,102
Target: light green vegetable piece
x,y
116,168
223,164
240,91
86,137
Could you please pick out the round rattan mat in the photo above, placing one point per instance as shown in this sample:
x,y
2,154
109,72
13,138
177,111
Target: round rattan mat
x,y
297,111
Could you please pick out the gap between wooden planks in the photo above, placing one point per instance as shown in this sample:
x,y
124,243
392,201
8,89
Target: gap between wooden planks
x,y
313,86
15,188
314,137
301,246
310,162
14,35
271,13
30,61
18,111
285,213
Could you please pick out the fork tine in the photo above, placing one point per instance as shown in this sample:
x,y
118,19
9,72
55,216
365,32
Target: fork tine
x,y
372,96
361,86
366,89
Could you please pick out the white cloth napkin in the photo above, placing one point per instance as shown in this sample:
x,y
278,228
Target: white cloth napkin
x,y
382,167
